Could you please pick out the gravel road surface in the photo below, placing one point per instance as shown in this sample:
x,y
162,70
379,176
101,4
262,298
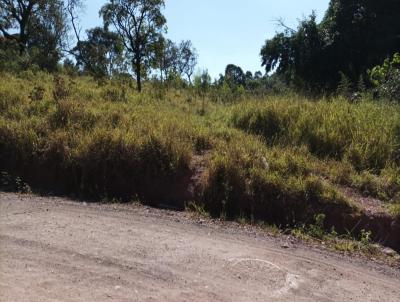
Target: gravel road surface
x,y
54,249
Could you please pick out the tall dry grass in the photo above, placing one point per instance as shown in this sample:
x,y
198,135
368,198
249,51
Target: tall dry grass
x,y
275,159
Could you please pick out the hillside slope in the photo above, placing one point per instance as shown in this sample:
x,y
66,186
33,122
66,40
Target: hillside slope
x,y
283,160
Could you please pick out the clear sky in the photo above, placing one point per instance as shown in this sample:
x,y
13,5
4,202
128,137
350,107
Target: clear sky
x,y
224,31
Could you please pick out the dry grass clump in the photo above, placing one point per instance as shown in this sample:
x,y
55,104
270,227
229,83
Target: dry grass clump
x,y
358,145
365,134
93,147
276,185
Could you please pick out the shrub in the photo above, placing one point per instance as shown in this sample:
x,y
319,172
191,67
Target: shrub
x,y
386,78
71,114
37,94
317,230
9,99
115,94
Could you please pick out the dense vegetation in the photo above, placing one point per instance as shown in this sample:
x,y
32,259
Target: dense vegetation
x,y
281,159
354,36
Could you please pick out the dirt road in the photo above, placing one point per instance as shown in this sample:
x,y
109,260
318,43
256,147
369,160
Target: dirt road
x,y
53,249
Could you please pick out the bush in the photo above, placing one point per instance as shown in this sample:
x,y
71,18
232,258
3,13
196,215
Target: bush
x,y
115,94
60,91
317,230
37,94
386,78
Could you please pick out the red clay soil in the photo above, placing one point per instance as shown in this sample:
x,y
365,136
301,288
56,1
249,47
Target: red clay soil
x,y
374,217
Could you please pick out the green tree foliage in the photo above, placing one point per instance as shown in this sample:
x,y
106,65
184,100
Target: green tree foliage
x,y
101,54
139,23
187,60
361,33
48,34
353,36
234,76
15,15
167,56
202,84
33,31
386,78
175,60
237,81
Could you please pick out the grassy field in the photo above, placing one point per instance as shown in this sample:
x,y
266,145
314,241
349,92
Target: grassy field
x,y
280,159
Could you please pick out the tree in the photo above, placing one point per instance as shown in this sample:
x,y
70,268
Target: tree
x,y
258,75
166,58
38,27
47,34
234,76
173,59
360,34
202,84
297,55
15,15
354,35
386,78
187,59
101,54
249,75
139,23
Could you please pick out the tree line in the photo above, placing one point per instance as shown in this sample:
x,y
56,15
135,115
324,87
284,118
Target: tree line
x,y
132,38
353,39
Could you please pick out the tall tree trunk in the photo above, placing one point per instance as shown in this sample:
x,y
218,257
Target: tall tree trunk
x,y
139,80
22,38
138,71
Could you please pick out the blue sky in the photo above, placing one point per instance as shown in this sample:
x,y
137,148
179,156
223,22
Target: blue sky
x,y
224,31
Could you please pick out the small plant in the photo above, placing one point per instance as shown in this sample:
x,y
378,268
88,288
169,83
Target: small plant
x,y
116,94
202,84
22,187
365,237
60,91
301,233
11,184
37,94
394,209
346,246
361,87
317,229
242,219
344,87
198,209
6,182
271,229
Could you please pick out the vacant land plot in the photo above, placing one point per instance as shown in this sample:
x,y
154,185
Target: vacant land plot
x,y
283,160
